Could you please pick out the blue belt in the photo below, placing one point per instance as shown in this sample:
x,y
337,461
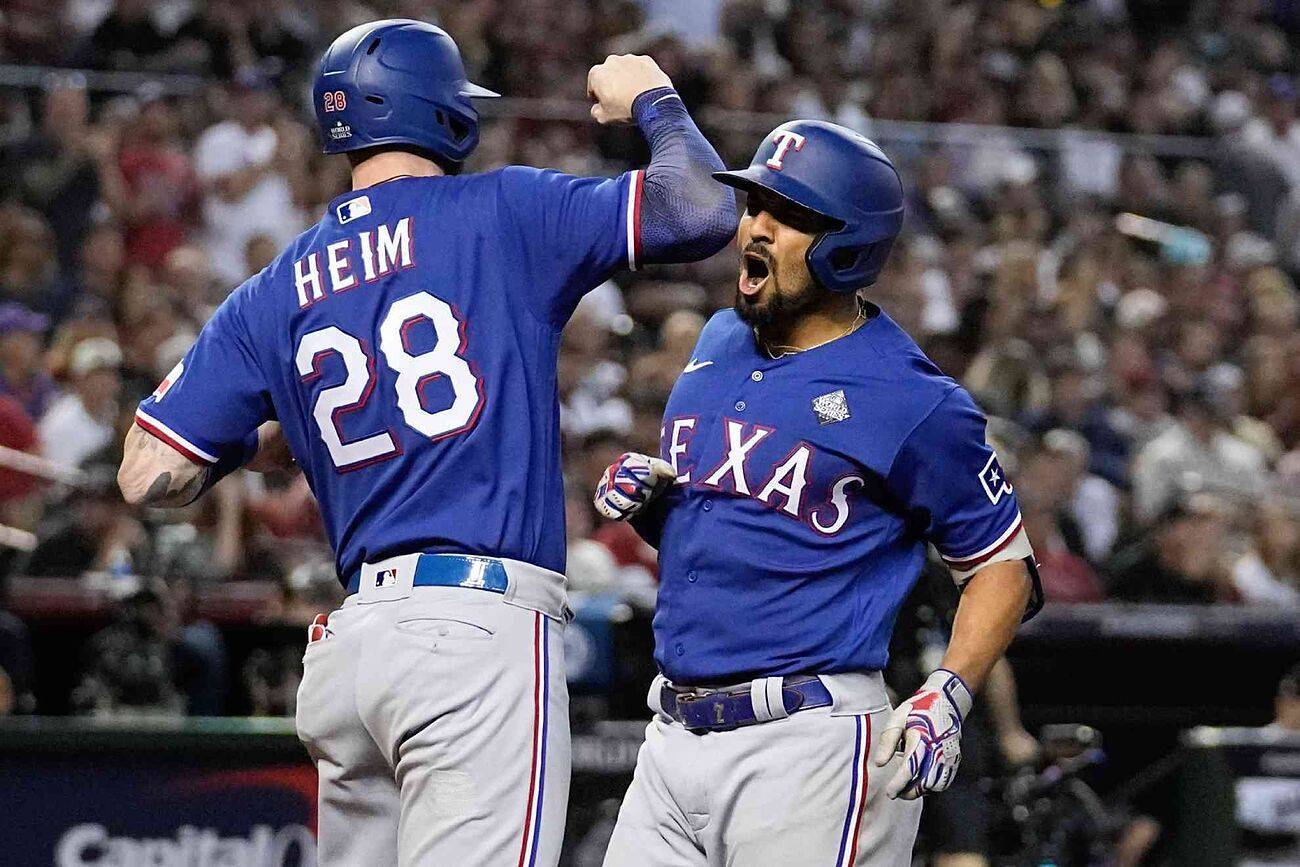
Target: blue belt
x,y
722,710
450,570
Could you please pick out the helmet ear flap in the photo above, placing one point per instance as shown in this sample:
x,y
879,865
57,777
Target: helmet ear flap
x,y
842,263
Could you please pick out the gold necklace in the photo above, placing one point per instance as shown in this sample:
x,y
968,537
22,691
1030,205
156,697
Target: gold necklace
x,y
781,350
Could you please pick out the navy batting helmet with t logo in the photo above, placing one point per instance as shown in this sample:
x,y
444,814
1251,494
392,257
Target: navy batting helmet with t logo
x,y
842,176
396,82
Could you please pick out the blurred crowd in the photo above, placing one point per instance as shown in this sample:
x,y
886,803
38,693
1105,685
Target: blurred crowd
x,y
1123,306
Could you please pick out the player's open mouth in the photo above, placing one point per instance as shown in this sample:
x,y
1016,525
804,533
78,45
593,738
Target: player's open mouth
x,y
754,274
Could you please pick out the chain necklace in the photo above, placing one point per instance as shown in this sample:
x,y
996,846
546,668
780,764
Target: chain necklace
x,y
781,350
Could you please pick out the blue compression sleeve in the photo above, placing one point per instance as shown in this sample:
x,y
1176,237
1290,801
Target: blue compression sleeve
x,y
230,459
685,214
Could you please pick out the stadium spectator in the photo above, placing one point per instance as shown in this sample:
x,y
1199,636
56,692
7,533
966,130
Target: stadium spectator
x,y
129,667
1182,559
29,269
91,530
56,169
22,375
1073,404
156,194
1198,453
244,172
83,421
19,433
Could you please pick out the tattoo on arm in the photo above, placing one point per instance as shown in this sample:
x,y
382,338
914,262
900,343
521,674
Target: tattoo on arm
x,y
154,474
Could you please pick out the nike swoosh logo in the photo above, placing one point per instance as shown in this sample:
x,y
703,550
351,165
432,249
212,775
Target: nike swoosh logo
x,y
695,365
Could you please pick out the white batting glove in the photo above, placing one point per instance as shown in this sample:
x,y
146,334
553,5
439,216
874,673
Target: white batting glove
x,y
927,730
630,483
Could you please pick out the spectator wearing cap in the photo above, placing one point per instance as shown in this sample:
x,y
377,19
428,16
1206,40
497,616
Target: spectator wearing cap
x,y
22,374
1198,453
246,182
81,422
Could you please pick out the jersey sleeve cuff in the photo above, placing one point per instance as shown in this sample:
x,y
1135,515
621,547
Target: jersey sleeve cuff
x,y
636,181
1011,544
182,445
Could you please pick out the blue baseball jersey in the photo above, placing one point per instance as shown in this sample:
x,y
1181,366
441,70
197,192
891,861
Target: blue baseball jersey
x,y
407,344
808,487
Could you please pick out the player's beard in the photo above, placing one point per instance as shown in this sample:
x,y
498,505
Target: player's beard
x,y
776,307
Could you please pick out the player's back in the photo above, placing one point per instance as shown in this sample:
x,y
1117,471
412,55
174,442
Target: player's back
x,y
407,343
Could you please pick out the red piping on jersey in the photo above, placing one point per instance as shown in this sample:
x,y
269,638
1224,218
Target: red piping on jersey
x,y
969,562
157,433
636,218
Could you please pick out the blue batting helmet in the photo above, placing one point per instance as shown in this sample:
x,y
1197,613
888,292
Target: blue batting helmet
x,y
396,82
840,175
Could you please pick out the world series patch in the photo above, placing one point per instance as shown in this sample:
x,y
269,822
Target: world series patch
x,y
831,407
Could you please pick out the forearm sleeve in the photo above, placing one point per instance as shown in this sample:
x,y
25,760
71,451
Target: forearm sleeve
x,y
685,214
229,459
649,522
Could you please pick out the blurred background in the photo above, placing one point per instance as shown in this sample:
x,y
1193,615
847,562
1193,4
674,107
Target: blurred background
x,y
1102,243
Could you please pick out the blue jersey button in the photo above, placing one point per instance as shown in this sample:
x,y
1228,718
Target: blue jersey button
x,y
708,505
681,649
740,406
757,376
691,576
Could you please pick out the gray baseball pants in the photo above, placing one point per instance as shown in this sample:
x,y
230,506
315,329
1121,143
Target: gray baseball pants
x,y
438,720
799,790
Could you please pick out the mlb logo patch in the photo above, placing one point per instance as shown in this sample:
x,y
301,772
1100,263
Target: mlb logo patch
x,y
354,209
831,408
386,578
994,481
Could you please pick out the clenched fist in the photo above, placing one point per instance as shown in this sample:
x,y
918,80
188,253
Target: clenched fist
x,y
615,84
630,483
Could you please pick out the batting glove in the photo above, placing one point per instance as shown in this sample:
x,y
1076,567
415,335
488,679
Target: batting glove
x,y
927,730
630,483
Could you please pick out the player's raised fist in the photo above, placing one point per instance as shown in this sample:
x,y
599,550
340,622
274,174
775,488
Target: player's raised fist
x,y
630,483
615,84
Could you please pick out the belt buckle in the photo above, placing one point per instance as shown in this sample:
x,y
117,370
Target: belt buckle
x,y
718,721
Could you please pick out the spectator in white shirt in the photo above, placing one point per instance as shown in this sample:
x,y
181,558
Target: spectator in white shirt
x,y
247,190
80,423
1198,453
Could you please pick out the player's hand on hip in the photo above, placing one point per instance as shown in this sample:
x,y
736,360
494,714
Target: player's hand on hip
x,y
927,730
630,483
615,84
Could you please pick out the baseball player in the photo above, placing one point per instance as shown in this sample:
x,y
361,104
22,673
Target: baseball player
x,y
809,453
407,346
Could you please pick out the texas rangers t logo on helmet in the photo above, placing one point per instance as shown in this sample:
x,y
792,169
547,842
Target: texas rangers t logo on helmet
x,y
785,139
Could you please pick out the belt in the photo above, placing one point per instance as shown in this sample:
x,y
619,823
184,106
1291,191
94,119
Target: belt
x,y
747,704
447,570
